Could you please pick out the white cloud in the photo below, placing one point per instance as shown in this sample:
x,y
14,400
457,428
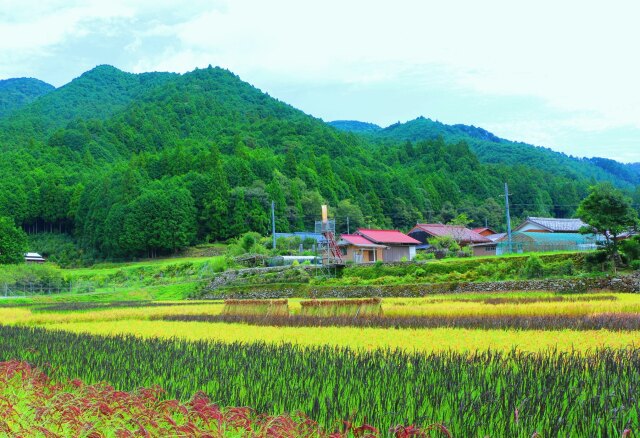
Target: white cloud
x,y
577,57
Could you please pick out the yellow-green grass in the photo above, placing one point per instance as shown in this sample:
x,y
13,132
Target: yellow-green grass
x,y
425,340
111,268
25,316
454,306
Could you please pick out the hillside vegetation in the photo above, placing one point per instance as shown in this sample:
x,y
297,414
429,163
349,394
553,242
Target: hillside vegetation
x,y
18,92
144,165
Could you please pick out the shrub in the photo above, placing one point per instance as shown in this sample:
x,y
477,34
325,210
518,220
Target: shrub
x,y
631,248
566,267
635,265
533,268
597,261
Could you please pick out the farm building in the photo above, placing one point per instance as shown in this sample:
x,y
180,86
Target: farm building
x,y
462,235
550,225
522,242
33,257
358,249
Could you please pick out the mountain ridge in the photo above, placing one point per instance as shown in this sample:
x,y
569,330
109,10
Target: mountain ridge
x,y
18,92
111,155
493,149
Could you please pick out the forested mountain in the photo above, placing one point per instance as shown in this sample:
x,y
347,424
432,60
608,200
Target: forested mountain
x,y
15,93
491,149
135,165
355,126
97,94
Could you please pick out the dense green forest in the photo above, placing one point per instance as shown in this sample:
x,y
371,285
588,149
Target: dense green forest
x,y
492,149
16,93
141,165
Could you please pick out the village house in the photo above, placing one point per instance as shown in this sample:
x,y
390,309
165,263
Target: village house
x,y
550,225
462,235
367,246
398,246
484,231
358,249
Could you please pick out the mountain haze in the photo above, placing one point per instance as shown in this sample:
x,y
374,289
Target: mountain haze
x,y
144,164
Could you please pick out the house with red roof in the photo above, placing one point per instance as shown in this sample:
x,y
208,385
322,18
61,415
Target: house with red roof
x,y
367,246
358,249
464,236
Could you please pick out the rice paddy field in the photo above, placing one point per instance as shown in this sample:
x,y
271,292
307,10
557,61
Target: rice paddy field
x,y
494,364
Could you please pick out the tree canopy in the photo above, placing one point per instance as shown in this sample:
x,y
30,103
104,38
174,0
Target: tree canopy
x,y
134,165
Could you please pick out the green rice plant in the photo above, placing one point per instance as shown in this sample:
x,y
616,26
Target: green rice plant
x,y
351,307
484,393
256,307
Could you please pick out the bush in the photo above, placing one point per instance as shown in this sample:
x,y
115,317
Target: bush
x,y
631,248
635,265
533,267
597,261
60,249
566,267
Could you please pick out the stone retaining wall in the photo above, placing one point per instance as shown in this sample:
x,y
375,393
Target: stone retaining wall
x,y
626,283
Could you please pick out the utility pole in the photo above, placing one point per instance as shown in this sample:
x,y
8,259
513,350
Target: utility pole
x,y
273,223
506,203
348,229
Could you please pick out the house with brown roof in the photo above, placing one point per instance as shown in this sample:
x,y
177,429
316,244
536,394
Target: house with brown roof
x,y
367,246
464,236
484,231
550,225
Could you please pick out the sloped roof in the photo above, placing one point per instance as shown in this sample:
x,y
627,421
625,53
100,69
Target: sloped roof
x,y
494,237
33,256
457,232
483,229
553,224
357,240
387,237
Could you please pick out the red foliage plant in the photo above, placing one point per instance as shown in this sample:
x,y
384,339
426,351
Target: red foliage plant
x,y
32,404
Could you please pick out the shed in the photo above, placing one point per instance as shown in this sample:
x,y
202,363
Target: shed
x,y
33,257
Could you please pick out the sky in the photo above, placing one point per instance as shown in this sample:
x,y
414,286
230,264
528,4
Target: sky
x,y
560,74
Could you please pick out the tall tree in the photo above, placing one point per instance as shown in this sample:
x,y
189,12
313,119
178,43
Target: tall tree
x,y
13,242
608,212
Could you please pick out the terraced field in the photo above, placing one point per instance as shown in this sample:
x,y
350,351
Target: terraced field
x,y
549,363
